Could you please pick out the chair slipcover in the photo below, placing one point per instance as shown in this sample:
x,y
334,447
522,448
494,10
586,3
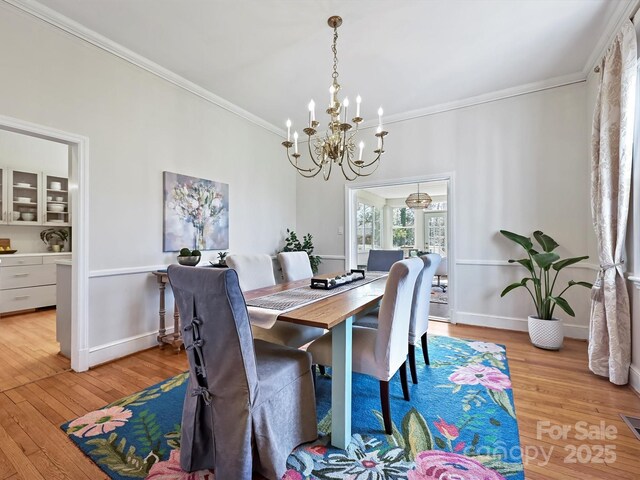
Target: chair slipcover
x,y
422,298
254,271
295,266
248,404
381,352
381,260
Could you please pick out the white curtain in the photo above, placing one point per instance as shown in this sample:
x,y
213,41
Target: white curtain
x,y
612,140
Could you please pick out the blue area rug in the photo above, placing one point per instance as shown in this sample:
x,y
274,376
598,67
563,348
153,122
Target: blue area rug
x,y
460,424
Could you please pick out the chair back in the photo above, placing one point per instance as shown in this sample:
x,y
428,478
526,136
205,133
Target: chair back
x,y
254,271
395,311
381,260
422,298
223,382
442,267
295,266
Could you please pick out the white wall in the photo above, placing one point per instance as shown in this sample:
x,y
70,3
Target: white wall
x,y
520,164
22,152
139,125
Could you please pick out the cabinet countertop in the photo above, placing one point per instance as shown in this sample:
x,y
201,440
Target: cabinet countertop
x,y
42,254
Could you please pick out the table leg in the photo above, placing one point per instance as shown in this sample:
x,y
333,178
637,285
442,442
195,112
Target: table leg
x,y
162,331
341,374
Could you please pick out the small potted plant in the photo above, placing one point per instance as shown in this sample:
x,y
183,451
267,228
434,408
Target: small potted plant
x,y
545,331
188,257
222,260
54,238
293,244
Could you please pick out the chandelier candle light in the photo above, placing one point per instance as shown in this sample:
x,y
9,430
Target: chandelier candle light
x,y
337,145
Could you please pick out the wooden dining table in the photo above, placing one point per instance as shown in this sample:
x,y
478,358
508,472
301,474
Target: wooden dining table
x,y
336,313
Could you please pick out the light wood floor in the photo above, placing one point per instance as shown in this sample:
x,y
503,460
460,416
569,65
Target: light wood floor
x,y
28,348
556,387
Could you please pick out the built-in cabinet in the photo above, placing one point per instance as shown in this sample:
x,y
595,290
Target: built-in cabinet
x,y
28,281
33,198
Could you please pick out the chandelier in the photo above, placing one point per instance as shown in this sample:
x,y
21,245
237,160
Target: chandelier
x,y
418,200
336,145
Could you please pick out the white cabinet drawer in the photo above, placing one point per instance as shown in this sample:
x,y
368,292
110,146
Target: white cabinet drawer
x,y
8,261
28,276
27,298
55,258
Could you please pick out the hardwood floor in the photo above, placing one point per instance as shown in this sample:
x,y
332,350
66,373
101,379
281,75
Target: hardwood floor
x,y
548,386
28,348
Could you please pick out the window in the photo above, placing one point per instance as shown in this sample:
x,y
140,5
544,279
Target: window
x,y
435,232
404,229
369,227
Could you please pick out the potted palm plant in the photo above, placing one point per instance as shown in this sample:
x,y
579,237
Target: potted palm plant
x,y
543,267
54,238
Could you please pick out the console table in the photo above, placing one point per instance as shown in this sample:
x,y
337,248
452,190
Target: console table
x,y
174,339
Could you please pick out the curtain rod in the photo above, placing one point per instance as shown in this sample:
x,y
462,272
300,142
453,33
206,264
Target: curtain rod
x,y
596,69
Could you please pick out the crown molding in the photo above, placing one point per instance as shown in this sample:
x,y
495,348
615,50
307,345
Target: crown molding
x,y
74,28
517,91
621,12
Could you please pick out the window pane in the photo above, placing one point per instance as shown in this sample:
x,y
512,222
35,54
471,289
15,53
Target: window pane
x,y
403,217
404,237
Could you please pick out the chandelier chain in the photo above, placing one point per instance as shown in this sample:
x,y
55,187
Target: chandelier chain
x,y
334,49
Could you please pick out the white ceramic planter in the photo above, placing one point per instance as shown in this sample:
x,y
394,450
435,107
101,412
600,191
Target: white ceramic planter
x,y
547,334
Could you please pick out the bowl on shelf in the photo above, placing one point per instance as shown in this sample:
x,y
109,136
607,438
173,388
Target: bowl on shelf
x,y
28,217
55,186
27,185
16,216
23,200
55,207
189,260
60,199
49,198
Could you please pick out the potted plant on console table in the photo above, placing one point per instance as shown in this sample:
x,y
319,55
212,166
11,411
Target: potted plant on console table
x,y
545,331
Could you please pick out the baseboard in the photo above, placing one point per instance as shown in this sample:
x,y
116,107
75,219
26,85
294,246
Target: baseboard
x,y
634,378
513,323
121,348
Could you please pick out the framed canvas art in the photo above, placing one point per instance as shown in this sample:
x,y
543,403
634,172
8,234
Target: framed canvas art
x,y
196,213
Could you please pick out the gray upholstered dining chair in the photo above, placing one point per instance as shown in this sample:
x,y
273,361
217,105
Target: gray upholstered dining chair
x,y
381,352
295,266
248,403
419,323
381,260
256,271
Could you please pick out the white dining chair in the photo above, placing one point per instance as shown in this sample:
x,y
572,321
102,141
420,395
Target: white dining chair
x,y
295,266
256,271
419,323
381,352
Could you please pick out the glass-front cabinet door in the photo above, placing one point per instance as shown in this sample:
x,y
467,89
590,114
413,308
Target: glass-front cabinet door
x,y
56,200
24,193
4,216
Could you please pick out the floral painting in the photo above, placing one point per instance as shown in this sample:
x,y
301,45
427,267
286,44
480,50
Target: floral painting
x,y
196,213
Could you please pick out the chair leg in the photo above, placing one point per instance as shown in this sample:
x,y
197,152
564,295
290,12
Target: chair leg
x,y
425,349
412,363
403,380
386,408
313,375
322,369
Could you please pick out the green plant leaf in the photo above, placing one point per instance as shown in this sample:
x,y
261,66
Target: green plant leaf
x,y
559,265
417,436
545,260
501,399
495,462
174,382
440,443
525,262
524,242
513,286
325,424
547,243
564,305
582,284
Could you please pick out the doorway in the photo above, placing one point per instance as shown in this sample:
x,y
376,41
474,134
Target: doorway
x,y
73,203
379,218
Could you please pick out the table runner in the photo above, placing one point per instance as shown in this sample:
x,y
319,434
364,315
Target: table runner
x,y
264,311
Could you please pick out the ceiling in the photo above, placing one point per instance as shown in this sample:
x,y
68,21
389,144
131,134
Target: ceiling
x,y
271,57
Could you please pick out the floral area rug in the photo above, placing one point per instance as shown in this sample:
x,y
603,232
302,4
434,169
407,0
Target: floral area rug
x,y
460,424
438,296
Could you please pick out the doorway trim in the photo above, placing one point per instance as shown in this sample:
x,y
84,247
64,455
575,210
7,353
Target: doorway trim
x,y
79,200
350,206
